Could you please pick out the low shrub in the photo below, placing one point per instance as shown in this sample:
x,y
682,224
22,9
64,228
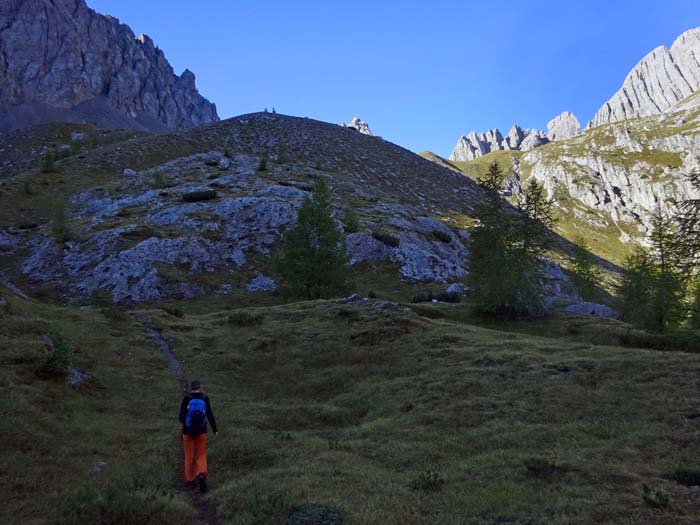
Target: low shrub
x,y
684,340
262,165
687,477
199,196
351,221
428,481
175,312
59,222
244,318
542,468
442,236
657,499
60,360
387,238
47,162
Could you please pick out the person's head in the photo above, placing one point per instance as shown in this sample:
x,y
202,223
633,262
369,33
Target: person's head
x,y
196,386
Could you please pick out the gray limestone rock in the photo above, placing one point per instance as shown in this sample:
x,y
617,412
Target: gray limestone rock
x,y
8,242
261,283
594,309
64,61
358,125
661,80
563,127
534,139
475,145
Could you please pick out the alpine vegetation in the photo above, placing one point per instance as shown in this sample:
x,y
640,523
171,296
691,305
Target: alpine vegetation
x,y
506,249
312,259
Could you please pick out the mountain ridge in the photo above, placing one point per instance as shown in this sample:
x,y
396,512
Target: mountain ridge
x,y
62,61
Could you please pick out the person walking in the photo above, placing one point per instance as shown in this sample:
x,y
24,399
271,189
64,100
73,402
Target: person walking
x,y
195,410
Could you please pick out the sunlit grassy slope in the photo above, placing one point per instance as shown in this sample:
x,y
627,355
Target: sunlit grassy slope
x,y
391,413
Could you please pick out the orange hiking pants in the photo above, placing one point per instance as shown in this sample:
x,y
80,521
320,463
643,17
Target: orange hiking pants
x,y
195,456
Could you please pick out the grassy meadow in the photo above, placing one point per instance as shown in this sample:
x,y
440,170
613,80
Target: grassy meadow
x,y
384,412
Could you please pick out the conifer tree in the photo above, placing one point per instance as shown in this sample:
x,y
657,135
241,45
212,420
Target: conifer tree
x,y
584,272
312,259
689,228
505,249
652,292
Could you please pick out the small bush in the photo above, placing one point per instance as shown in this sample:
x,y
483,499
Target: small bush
x,y
175,312
371,295
158,181
59,222
442,236
47,163
657,499
387,238
244,318
687,477
262,165
428,481
60,360
198,196
544,469
351,221
685,341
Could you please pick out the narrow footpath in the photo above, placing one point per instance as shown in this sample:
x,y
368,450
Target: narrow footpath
x,y
205,510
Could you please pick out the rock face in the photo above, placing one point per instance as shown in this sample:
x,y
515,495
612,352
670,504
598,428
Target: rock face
x,y
660,81
563,127
359,125
61,61
474,145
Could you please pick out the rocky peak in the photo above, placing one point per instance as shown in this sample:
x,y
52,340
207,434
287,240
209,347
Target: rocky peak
x,y
660,81
62,61
515,137
358,125
563,127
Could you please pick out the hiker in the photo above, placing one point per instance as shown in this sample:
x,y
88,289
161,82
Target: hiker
x,y
195,410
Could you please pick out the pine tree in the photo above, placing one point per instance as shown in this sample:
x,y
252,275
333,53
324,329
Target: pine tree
x,y
694,321
689,228
652,292
584,273
634,293
505,249
312,259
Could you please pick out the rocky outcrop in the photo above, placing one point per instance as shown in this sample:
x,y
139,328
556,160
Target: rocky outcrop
x,y
615,177
660,81
359,125
474,145
534,139
563,127
62,61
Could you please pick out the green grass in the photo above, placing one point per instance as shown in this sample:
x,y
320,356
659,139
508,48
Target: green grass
x,y
416,414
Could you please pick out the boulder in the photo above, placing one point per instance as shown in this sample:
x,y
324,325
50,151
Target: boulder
x,y
261,283
594,309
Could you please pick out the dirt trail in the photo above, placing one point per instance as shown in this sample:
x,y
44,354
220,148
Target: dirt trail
x,y
205,510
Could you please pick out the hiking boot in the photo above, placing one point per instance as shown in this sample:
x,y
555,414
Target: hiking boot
x,y
202,483
189,485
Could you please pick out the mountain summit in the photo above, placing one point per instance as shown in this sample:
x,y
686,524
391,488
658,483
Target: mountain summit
x,y
62,61
661,80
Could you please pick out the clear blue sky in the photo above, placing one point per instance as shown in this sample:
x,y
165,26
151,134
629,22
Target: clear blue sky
x,y
420,73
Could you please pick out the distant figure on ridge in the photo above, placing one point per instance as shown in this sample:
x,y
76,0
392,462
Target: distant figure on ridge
x,y
195,410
